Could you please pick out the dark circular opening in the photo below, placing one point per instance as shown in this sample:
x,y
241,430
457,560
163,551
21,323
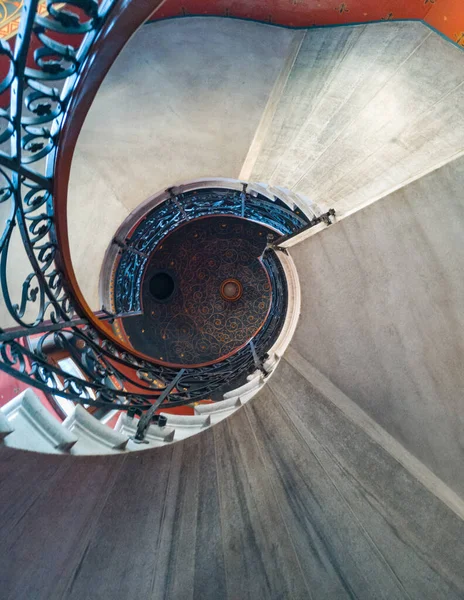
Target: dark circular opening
x,y
162,286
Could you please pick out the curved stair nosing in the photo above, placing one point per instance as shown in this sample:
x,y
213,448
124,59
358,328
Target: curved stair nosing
x,y
187,425
5,426
97,433
190,421
28,408
293,200
293,308
253,384
128,427
218,407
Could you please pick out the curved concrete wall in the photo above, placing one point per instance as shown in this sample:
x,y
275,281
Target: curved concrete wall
x,y
182,102
288,498
343,116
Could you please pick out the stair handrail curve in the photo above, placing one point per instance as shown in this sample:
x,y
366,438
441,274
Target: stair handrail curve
x,y
58,63
55,69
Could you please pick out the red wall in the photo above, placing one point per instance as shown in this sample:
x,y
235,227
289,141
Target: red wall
x,y
448,17
11,387
300,13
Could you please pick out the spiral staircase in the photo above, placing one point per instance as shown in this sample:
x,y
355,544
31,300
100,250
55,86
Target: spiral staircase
x,y
321,454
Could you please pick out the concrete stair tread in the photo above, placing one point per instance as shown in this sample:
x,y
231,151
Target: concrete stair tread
x,y
155,435
187,425
33,427
93,436
5,426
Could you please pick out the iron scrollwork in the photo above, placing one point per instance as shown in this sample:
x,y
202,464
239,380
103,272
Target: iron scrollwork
x,y
41,74
187,206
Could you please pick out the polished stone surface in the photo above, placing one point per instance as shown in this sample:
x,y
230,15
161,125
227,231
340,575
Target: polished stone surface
x,y
196,324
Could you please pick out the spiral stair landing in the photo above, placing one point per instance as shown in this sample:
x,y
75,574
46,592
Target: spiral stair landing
x,y
288,498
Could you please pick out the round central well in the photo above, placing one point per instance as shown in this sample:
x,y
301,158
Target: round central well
x,y
231,290
161,286
205,292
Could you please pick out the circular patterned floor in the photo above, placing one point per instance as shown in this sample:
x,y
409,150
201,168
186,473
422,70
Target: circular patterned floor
x,y
197,324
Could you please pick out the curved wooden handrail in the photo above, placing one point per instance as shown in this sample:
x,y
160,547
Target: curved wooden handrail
x,y
124,19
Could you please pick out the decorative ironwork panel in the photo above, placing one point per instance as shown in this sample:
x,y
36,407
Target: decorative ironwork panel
x,y
176,211
44,67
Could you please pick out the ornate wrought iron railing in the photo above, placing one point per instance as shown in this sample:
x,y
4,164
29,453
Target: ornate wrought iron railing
x,y
179,209
49,92
44,68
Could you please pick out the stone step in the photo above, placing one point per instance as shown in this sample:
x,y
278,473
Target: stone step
x,y
33,427
93,436
219,410
155,436
187,425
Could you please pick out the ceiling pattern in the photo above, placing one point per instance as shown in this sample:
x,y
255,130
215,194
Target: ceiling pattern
x,y
196,325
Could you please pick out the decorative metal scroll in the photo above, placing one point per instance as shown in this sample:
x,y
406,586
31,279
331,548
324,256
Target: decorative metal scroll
x,y
182,208
41,73
40,78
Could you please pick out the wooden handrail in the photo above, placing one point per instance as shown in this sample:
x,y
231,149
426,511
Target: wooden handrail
x,y
122,22
125,18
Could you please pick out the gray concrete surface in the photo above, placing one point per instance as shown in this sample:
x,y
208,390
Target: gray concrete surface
x,y
365,110
183,101
383,315
342,115
287,499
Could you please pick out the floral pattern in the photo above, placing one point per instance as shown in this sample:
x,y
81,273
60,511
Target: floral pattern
x,y
10,13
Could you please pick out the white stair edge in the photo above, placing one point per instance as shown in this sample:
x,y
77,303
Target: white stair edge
x,y
5,426
87,426
28,406
305,204
218,407
196,421
281,194
147,444
187,425
293,307
128,426
247,387
247,397
271,362
255,377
